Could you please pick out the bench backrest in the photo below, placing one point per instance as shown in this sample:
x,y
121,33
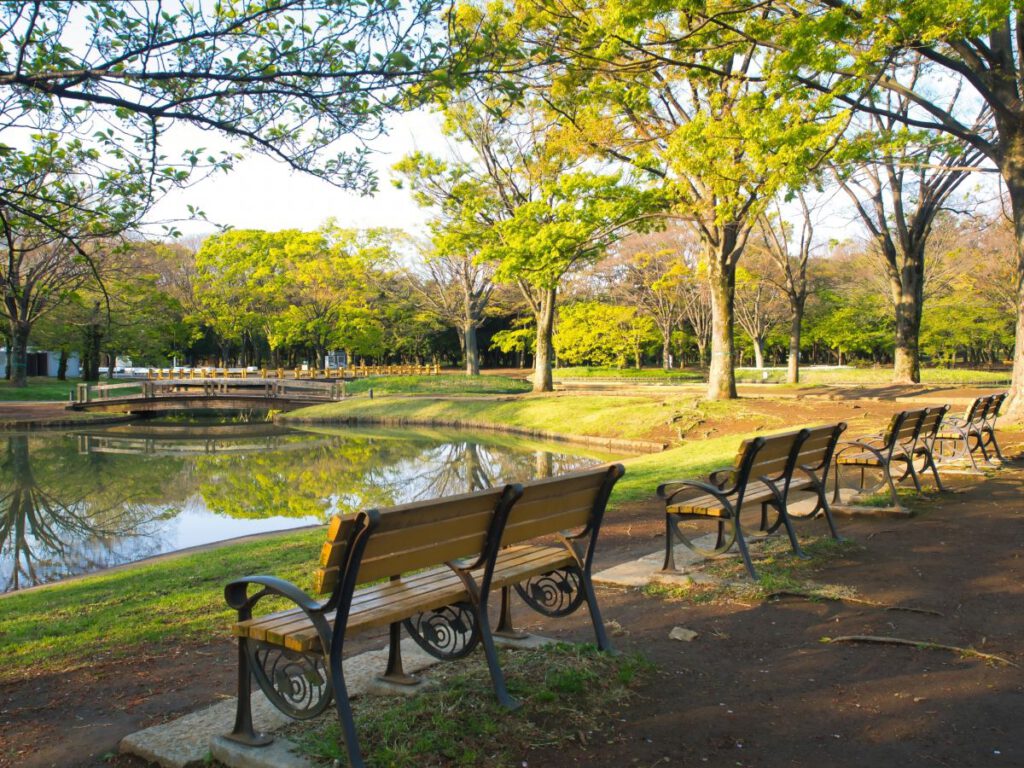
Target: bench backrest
x,y
774,457
567,502
931,423
817,450
995,405
417,535
976,411
780,454
903,429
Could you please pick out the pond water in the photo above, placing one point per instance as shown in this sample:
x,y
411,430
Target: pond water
x,y
80,501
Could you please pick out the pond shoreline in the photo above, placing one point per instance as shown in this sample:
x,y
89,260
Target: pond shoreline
x,y
594,441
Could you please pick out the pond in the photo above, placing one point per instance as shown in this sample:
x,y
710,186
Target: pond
x,y
84,500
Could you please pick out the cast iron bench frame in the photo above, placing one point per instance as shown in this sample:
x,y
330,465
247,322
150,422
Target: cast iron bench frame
x,y
974,431
910,435
764,472
463,544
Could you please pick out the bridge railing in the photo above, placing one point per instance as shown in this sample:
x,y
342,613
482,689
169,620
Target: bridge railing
x,y
266,388
87,393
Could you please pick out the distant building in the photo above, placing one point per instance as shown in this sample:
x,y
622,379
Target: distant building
x,y
41,363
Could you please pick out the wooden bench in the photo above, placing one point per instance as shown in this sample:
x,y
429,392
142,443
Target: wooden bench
x,y
410,559
440,600
960,437
910,436
766,471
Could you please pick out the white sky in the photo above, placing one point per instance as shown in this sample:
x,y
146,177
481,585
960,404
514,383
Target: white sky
x,y
261,193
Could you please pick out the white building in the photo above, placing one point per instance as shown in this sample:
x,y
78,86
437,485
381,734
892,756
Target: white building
x,y
43,363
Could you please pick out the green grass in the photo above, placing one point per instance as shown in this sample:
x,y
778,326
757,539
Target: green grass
x,y
810,376
589,415
39,388
568,692
119,613
444,383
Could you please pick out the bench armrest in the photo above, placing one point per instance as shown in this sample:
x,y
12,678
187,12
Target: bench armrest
x,y
236,593
708,488
845,445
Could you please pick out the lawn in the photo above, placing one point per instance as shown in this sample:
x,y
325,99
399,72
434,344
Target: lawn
x,y
39,388
810,376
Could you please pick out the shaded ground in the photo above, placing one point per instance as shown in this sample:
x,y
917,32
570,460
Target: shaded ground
x,y
755,688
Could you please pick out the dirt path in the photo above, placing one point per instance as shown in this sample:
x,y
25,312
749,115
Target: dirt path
x,y
757,687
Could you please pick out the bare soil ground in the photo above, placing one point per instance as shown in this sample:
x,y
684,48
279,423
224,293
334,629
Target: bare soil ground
x,y
757,687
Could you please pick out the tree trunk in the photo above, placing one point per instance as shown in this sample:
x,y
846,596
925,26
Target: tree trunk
x,y
545,326
795,323
1013,175
666,348
908,297
62,365
18,359
472,349
721,375
758,353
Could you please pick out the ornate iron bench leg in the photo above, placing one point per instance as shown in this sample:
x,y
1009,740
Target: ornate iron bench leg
x,y
791,533
745,552
670,551
822,491
506,627
395,672
497,678
243,732
600,634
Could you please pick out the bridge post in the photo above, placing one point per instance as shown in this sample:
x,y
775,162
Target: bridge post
x,y
82,393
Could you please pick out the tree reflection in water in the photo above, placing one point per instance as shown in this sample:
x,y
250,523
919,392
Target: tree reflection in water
x,y
75,504
58,518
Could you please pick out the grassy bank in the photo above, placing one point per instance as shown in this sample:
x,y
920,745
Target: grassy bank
x,y
629,418
447,384
39,388
809,376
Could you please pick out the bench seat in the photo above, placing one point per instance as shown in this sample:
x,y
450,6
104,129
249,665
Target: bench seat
x,y
382,604
757,492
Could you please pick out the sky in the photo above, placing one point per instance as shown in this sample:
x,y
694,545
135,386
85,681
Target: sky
x,y
261,193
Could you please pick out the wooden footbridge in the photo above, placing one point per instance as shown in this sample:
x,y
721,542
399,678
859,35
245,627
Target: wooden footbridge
x,y
248,394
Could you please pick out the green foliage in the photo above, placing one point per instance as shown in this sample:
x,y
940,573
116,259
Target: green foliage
x,y
565,689
306,289
594,333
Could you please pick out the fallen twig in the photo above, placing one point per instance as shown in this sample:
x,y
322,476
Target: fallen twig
x,y
919,644
841,598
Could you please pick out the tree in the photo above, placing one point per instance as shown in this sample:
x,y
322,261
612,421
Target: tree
x,y
848,50
57,230
535,212
759,307
898,191
596,333
88,91
458,285
775,236
681,101
650,271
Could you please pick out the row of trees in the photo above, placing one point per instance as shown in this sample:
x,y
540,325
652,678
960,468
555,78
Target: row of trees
x,y
280,298
581,124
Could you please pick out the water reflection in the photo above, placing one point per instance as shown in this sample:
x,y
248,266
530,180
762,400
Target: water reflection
x,y
79,502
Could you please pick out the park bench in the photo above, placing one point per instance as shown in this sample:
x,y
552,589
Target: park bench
x,y
961,436
910,436
767,470
409,559
441,559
